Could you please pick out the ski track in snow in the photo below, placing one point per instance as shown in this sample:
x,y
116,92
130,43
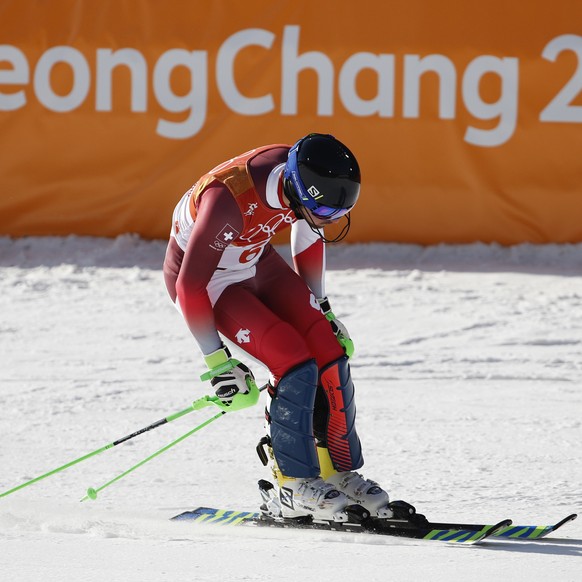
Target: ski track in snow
x,y
468,370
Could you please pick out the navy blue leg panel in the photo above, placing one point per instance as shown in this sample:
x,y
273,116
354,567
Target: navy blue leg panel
x,y
342,439
291,417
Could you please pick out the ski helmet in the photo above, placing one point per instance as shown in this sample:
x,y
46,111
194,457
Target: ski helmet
x,y
322,175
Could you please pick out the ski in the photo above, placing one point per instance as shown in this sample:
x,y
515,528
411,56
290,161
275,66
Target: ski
x,y
404,522
516,532
532,532
369,525
408,524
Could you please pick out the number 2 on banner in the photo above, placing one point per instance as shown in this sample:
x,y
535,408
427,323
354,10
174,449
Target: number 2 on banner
x,y
560,108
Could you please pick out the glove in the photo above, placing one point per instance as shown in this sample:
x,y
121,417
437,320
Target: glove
x,y
341,333
233,383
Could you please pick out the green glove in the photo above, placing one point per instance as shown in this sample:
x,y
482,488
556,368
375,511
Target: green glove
x,y
233,383
341,333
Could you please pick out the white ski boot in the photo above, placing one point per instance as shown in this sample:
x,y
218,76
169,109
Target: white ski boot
x,y
312,497
361,491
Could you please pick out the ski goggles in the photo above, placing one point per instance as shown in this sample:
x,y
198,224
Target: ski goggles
x,y
322,211
308,196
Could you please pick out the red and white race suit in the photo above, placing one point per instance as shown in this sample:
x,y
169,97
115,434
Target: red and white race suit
x,y
225,276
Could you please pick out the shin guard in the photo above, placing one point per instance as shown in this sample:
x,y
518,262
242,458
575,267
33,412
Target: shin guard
x,y
342,439
291,422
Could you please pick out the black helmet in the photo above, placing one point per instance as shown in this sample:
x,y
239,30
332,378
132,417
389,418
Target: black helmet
x,y
322,175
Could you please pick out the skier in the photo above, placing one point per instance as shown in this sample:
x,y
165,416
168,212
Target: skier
x,y
224,276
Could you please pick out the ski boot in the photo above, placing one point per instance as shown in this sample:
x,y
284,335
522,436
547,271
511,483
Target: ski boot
x,y
298,497
303,500
362,491
356,488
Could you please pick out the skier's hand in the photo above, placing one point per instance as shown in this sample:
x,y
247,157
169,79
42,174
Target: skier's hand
x,y
232,381
340,330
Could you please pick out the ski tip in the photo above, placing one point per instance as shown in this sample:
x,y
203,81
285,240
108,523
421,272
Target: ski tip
x,y
532,532
567,519
571,517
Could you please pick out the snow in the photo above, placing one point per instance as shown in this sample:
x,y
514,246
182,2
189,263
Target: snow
x,y
467,370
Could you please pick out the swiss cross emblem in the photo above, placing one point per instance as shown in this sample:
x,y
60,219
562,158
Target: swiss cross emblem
x,y
227,234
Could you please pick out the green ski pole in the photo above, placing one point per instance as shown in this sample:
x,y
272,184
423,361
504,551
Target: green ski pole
x,y
243,401
92,493
196,405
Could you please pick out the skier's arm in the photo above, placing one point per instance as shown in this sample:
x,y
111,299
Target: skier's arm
x,y
217,209
308,252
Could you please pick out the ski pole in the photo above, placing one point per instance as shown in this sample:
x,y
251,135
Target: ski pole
x,y
92,492
196,405
251,399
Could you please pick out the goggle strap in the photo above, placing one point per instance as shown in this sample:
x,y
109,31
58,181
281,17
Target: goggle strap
x,y
343,233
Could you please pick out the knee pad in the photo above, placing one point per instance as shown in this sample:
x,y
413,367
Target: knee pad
x,y
342,439
291,422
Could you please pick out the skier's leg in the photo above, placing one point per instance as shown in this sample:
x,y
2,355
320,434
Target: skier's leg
x,y
340,451
290,419
287,295
342,439
245,319
247,322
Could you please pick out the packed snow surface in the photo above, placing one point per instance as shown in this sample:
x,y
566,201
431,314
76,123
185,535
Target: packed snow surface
x,y
468,373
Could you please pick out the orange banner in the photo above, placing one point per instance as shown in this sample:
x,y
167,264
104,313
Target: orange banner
x,y
466,117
